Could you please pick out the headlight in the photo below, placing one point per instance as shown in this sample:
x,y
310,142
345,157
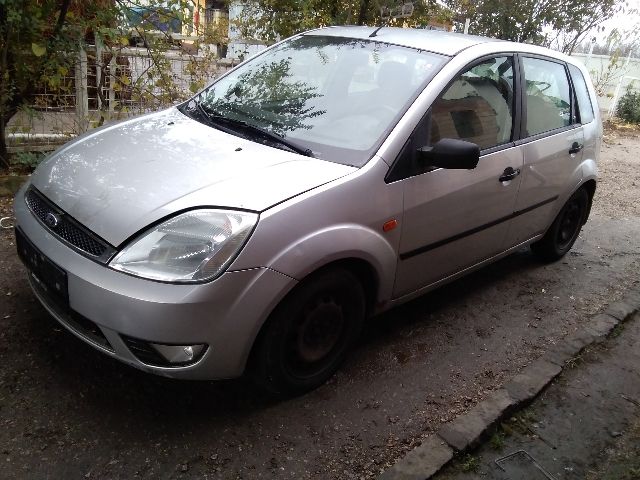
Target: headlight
x,y
191,247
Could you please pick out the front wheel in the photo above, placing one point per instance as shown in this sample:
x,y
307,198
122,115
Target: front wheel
x,y
310,333
565,228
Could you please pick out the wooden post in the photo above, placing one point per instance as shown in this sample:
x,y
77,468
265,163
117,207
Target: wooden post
x,y
98,66
82,97
112,93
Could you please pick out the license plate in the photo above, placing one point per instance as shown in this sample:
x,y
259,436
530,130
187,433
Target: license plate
x,y
47,275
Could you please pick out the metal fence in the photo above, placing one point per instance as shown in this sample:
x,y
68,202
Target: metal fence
x,y
102,86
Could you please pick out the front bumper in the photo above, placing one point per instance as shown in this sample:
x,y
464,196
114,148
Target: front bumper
x,y
226,314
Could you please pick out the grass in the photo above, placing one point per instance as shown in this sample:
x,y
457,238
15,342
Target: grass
x,y
617,330
497,441
520,423
575,361
470,463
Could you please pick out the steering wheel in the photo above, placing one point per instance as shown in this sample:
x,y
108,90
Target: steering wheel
x,y
542,83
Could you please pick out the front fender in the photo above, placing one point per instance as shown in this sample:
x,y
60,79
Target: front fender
x,y
339,242
343,219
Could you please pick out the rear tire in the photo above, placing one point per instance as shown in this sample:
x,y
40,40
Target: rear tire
x,y
310,333
565,228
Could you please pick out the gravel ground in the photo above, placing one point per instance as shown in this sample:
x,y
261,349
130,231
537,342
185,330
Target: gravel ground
x,y
619,183
67,411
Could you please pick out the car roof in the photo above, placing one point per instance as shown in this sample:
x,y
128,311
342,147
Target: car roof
x,y
445,43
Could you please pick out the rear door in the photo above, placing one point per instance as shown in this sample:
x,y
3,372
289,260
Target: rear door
x,y
552,143
456,218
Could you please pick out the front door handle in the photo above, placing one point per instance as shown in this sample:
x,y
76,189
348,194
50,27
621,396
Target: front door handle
x,y
575,148
509,174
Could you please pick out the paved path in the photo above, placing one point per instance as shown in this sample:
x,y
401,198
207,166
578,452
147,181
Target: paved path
x,y
568,431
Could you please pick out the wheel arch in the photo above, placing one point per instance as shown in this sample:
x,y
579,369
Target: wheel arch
x,y
590,187
368,253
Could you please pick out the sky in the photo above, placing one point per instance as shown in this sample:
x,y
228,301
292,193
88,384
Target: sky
x,y
623,22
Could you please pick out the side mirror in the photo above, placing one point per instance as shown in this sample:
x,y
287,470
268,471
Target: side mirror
x,y
450,153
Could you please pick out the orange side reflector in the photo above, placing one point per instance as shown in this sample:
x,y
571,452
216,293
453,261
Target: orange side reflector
x,y
390,225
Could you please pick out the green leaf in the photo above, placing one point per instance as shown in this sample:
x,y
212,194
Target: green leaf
x,y
38,50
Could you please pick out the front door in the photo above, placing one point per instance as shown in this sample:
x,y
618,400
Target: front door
x,y
454,219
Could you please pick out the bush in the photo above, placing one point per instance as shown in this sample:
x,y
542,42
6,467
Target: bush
x,y
27,160
629,106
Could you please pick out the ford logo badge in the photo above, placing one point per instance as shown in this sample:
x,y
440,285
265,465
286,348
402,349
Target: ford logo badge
x,y
52,220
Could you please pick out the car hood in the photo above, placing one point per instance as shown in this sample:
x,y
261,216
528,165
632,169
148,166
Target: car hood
x,y
119,179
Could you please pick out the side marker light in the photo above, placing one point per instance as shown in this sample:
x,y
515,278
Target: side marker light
x,y
390,225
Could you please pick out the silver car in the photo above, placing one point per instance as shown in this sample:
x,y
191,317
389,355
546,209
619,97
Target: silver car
x,y
335,175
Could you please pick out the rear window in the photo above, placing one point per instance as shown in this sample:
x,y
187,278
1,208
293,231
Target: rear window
x,y
585,108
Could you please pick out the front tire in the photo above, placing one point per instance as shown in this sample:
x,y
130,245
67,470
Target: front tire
x,y
310,333
565,228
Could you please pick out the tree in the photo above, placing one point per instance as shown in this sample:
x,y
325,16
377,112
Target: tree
x,y
578,18
40,40
618,46
36,37
271,20
269,96
562,25
518,21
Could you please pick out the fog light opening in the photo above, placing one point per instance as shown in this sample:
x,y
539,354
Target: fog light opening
x,y
180,354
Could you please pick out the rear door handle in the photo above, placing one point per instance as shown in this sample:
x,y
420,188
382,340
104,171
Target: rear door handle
x,y
509,174
575,148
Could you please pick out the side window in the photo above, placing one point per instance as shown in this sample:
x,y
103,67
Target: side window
x,y
585,108
548,101
478,106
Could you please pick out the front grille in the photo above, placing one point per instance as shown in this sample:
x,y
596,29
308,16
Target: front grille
x,y
67,228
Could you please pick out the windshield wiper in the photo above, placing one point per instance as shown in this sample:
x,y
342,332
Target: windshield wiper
x,y
233,124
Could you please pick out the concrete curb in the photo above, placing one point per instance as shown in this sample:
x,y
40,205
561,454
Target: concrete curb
x,y
467,431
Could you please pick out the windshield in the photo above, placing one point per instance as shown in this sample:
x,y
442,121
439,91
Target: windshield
x,y
335,97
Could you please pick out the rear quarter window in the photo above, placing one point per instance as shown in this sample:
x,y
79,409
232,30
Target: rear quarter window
x,y
585,107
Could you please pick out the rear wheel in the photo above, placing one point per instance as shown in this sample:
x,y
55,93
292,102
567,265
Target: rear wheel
x,y
565,228
310,333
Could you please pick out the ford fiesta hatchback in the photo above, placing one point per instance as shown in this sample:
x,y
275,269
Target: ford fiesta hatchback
x,y
338,173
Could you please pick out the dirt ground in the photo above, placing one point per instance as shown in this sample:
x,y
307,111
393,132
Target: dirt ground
x,y
66,411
